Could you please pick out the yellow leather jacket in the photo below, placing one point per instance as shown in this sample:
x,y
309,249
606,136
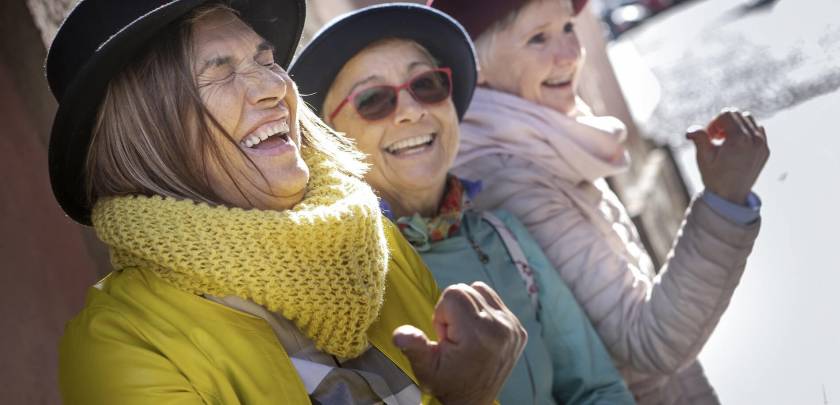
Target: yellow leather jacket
x,y
140,340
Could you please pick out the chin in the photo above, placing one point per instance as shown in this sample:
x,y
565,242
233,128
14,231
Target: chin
x,y
428,179
267,202
568,110
283,198
563,106
293,182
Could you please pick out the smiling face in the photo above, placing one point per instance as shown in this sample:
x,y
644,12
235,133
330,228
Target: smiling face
x,y
255,104
411,150
537,56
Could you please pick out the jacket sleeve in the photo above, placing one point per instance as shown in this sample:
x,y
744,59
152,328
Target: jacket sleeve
x,y
103,361
583,370
651,325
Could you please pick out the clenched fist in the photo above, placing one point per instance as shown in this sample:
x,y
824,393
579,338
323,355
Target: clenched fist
x,y
731,152
480,342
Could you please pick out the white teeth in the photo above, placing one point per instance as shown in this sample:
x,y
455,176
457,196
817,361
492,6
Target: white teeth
x,y
555,82
409,143
264,132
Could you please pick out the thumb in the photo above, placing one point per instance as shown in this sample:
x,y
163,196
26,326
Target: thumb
x,y
701,140
421,352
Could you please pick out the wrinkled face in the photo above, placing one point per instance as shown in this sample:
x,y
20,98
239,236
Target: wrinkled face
x,y
255,102
537,57
412,149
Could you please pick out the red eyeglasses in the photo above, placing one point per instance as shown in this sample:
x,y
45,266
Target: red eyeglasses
x,y
377,102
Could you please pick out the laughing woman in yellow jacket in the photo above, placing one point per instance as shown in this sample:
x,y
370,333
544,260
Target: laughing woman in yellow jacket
x,y
251,263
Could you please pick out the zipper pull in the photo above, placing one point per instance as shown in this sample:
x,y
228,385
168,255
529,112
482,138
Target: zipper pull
x,y
482,257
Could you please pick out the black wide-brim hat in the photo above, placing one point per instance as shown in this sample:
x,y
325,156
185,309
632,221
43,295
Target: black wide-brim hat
x,y
318,64
97,39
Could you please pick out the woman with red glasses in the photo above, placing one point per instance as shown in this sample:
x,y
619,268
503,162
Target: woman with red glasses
x,y
397,79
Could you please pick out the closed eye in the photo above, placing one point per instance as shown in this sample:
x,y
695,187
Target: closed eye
x,y
265,58
215,75
537,39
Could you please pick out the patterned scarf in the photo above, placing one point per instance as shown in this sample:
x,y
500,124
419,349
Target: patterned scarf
x,y
421,232
321,264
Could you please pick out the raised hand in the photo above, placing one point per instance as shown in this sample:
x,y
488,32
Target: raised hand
x,y
731,152
480,341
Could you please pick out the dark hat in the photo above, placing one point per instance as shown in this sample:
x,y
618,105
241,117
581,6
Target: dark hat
x,y
315,69
95,42
478,15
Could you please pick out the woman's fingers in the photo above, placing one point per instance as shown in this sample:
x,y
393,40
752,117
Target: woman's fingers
x,y
702,141
458,298
420,351
490,296
480,343
458,306
733,125
750,121
746,126
739,160
501,314
758,130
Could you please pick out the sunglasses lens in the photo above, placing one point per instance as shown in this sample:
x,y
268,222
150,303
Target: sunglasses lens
x,y
431,87
376,102
379,102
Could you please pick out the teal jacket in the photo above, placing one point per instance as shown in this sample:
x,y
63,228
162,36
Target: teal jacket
x,y
564,361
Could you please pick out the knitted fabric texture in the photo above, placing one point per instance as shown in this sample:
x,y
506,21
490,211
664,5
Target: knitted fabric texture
x,y
321,264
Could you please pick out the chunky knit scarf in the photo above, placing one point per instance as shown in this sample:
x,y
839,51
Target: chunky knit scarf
x,y
321,264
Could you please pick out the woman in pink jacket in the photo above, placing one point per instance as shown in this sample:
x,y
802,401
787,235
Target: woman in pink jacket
x,y
542,155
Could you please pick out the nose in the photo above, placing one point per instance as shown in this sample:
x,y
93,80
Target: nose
x,y
567,51
408,110
266,88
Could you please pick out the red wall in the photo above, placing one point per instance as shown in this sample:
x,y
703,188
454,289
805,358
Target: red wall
x,y
45,264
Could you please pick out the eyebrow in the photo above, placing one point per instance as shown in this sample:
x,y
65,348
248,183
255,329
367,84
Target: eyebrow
x,y
368,79
361,82
419,63
223,60
265,46
540,27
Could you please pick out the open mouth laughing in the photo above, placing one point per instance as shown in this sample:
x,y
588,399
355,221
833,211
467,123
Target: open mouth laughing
x,y
411,146
557,83
271,135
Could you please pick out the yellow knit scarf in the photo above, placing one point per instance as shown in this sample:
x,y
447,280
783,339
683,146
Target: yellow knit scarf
x,y
321,264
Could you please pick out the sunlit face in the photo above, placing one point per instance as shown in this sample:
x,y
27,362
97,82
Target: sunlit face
x,y
537,57
255,102
410,150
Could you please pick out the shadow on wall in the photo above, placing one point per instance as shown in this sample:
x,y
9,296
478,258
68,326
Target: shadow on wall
x,y
48,261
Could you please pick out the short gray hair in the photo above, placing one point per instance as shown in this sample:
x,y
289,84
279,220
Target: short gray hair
x,y
485,42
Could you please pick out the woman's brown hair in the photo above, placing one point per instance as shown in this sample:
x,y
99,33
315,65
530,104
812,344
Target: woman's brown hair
x,y
152,131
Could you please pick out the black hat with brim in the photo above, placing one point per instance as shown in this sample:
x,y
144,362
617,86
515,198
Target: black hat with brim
x,y
317,66
95,42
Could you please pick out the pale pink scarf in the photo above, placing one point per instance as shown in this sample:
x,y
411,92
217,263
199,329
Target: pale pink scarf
x,y
578,148
573,154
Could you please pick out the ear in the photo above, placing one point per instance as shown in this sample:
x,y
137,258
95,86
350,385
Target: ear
x,y
482,79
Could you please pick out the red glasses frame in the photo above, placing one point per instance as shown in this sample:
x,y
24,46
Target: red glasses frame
x,y
396,90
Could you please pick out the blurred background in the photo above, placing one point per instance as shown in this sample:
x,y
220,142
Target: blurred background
x,y
659,65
